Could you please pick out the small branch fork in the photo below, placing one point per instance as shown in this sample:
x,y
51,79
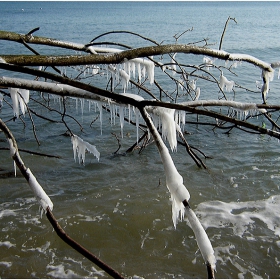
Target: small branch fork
x,y
60,232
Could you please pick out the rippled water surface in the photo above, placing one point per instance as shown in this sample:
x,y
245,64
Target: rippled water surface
x,y
119,207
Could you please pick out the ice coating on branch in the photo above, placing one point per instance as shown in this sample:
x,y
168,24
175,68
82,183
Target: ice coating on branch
x,y
267,78
174,181
80,146
202,239
91,49
224,82
166,117
20,97
40,194
12,153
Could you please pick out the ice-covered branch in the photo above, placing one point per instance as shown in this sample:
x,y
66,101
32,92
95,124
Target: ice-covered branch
x,y
174,181
120,57
38,191
55,88
180,196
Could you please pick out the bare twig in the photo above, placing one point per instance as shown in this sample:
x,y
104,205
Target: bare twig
x,y
224,31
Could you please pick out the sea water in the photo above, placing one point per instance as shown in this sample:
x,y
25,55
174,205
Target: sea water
x,y
118,207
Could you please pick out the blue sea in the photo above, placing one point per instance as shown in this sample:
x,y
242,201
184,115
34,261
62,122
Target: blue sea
x,y
119,207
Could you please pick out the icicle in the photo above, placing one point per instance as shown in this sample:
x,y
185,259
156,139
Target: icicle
x,y
168,125
181,84
1,100
173,66
99,105
82,105
267,78
139,72
208,61
95,70
23,99
144,71
40,194
121,114
133,69
80,146
14,96
197,93
224,82
193,84
202,239
76,105
124,79
150,67
137,114
183,120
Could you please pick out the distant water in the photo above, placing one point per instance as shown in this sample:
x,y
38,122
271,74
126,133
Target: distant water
x,y
119,207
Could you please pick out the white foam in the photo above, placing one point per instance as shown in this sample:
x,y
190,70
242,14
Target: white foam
x,y
241,215
8,244
7,264
58,271
7,213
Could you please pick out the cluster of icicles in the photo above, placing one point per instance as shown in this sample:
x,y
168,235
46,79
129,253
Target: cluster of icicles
x,y
169,121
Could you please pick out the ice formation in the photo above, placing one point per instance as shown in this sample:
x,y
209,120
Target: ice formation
x,y
12,153
197,93
20,97
267,77
202,239
193,84
80,146
40,194
123,74
225,83
208,61
173,64
1,100
174,181
165,118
